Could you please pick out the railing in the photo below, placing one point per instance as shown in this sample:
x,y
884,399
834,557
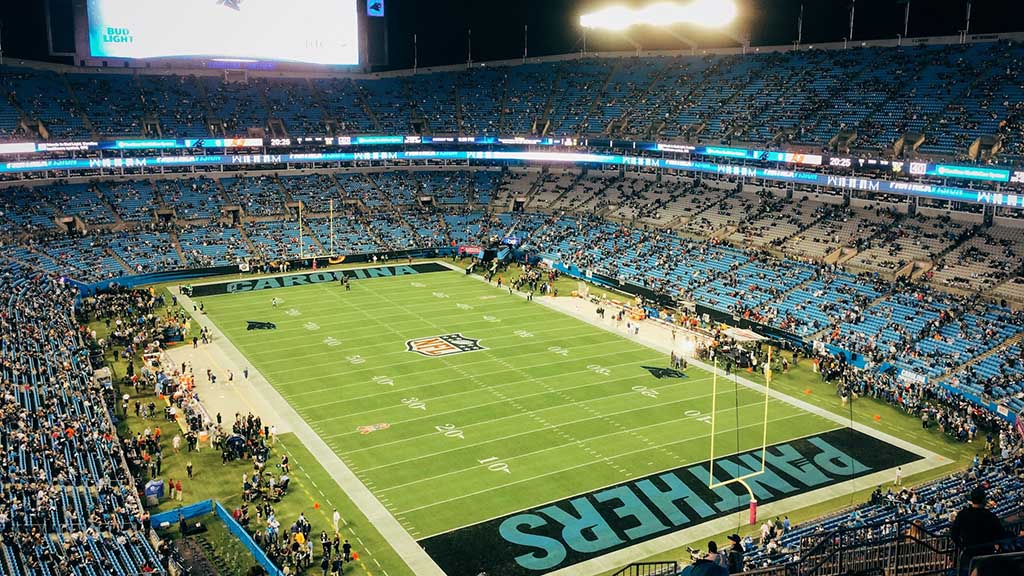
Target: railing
x,y
904,549
666,568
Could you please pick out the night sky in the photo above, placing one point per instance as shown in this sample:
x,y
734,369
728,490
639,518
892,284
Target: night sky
x,y
441,25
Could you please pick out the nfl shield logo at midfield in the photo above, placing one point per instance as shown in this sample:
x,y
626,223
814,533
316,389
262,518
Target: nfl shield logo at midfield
x,y
444,345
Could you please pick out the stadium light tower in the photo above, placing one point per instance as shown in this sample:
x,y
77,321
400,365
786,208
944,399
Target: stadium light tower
x,y
706,13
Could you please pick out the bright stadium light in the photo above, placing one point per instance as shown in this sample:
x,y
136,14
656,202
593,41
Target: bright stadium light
x,y
707,13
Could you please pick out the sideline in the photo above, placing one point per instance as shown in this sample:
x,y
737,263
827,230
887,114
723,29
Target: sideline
x,y
258,389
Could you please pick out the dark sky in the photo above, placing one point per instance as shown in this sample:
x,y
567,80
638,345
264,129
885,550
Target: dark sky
x,y
441,25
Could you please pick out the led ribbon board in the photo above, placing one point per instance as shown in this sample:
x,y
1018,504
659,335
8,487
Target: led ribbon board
x,y
921,189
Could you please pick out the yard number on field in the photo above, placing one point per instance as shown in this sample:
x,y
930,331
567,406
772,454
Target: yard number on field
x,y
558,350
384,380
598,369
523,334
450,431
414,403
356,359
332,341
495,465
649,392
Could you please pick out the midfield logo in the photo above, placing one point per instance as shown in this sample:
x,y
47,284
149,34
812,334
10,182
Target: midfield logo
x,y
444,345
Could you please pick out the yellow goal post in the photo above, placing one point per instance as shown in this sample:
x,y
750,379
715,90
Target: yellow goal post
x,y
741,480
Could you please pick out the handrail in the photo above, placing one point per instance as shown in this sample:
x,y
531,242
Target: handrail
x,y
664,567
832,547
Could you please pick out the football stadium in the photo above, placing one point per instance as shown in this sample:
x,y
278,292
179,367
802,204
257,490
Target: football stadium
x,y
635,288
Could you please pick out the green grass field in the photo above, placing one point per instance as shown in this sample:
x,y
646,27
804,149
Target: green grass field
x,y
552,407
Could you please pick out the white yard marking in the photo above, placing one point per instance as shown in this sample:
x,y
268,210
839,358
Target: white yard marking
x,y
560,471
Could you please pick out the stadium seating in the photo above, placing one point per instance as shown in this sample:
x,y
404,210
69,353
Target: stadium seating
x,y
177,103
192,199
928,506
258,196
950,94
70,504
915,290
212,246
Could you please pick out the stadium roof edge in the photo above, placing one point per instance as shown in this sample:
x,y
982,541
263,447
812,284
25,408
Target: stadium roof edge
x,y
168,69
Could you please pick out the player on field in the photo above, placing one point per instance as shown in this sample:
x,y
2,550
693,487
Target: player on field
x,y
275,301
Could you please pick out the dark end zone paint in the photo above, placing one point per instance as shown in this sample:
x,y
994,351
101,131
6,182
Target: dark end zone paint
x,y
564,533
305,278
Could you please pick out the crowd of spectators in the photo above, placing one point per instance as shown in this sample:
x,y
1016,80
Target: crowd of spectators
x,y
67,499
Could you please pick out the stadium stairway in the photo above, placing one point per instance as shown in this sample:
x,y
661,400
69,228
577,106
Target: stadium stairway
x,y
1013,277
367,109
109,205
504,101
595,104
370,230
313,238
545,118
538,187
679,222
176,242
999,348
617,126
249,246
77,106
117,258
529,194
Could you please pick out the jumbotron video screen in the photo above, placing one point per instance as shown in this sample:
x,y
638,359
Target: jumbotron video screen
x,y
303,31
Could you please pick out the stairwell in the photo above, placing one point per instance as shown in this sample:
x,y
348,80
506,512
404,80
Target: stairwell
x,y
364,104
595,105
537,188
78,107
616,126
176,242
975,360
545,118
504,102
108,204
119,260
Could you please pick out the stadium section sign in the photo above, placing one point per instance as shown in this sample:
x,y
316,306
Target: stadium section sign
x,y
560,534
271,282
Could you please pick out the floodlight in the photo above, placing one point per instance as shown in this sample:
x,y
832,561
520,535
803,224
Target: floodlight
x,y
707,13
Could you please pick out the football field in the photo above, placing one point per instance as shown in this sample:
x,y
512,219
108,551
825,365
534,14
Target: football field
x,y
525,406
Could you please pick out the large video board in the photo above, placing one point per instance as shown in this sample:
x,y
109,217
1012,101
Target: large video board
x,y
301,31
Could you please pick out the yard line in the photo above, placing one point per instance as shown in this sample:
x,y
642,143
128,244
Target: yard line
x,y
518,414
574,441
526,413
392,390
419,359
479,405
553,472
552,426
391,343
446,368
327,326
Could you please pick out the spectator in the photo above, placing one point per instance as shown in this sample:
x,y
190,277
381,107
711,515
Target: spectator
x,y
976,528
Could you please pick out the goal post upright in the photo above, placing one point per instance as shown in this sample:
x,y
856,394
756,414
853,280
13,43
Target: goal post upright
x,y
741,480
